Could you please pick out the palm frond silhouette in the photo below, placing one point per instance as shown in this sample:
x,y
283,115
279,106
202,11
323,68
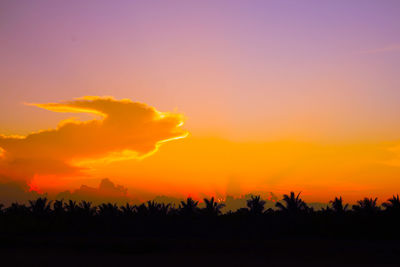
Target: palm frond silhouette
x,y
128,210
86,208
188,207
337,205
58,207
108,210
164,209
71,207
292,204
255,205
40,206
212,207
392,204
366,206
17,209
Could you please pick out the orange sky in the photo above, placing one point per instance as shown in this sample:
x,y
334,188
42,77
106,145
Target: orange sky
x,y
150,153
274,96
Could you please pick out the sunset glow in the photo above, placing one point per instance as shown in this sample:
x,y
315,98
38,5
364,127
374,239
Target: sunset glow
x,y
201,98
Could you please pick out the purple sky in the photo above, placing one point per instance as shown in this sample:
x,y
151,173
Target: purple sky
x,y
240,69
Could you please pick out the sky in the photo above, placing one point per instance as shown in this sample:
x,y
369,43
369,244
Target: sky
x,y
195,98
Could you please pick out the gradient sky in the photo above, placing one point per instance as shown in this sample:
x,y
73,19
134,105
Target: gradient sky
x,y
277,95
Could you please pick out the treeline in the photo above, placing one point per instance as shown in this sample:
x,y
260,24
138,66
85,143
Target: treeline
x,y
292,216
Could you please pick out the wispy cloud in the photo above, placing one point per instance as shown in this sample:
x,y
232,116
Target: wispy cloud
x,y
389,48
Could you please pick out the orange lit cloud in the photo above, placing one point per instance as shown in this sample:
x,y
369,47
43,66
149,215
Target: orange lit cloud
x,y
126,130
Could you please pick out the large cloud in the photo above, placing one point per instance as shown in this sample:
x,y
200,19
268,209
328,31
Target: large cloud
x,y
126,130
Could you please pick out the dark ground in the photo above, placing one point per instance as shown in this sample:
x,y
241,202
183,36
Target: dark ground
x,y
119,251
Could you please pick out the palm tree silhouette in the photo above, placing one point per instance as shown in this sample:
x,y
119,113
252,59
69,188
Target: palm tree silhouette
x,y
337,205
255,205
366,206
86,208
293,204
40,206
365,220
164,209
153,208
212,208
58,207
108,210
128,210
142,210
188,208
392,204
17,209
71,207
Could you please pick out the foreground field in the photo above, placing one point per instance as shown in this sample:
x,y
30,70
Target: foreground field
x,y
120,251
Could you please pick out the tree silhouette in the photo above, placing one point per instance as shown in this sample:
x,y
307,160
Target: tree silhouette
x,y
17,209
188,208
71,207
212,207
337,205
366,206
86,208
255,205
153,208
128,210
108,210
40,206
293,204
393,204
142,210
153,219
58,207
164,209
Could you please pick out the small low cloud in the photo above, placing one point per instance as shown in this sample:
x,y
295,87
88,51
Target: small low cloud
x,y
15,192
126,130
107,191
